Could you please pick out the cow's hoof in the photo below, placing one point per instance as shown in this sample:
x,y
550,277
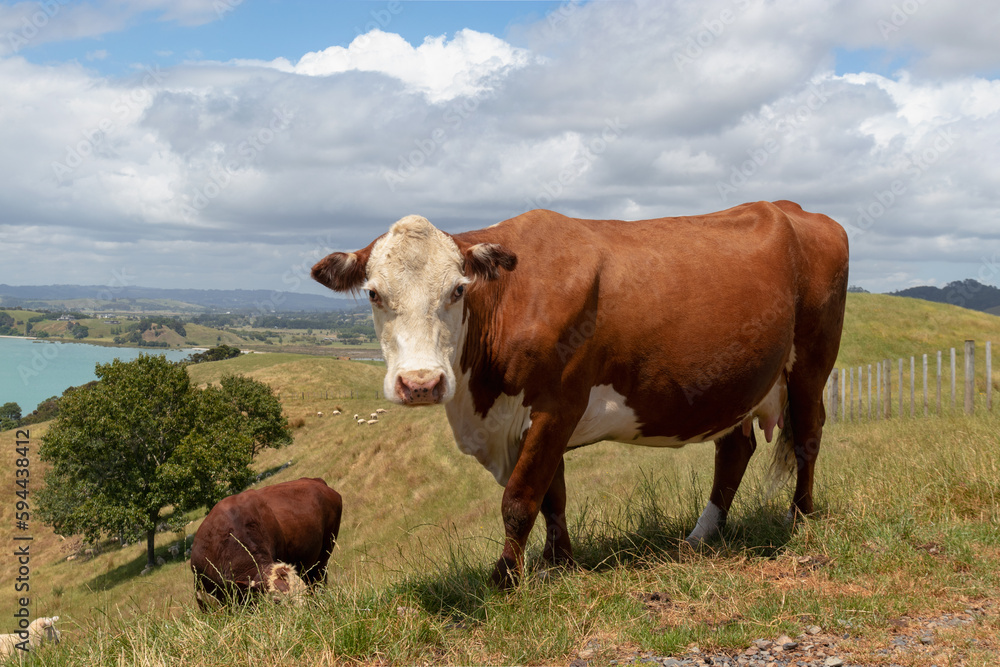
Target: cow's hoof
x,y
506,574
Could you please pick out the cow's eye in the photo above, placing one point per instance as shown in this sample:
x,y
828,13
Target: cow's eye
x,y
457,293
374,297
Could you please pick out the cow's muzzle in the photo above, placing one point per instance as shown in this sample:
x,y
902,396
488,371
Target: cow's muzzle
x,y
420,387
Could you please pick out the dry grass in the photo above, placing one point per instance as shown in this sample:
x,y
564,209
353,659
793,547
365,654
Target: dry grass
x,y
906,529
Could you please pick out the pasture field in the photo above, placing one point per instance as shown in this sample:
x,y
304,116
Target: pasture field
x,y
879,326
906,528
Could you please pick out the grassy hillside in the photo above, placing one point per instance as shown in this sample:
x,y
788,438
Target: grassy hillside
x,y
879,326
421,529
895,537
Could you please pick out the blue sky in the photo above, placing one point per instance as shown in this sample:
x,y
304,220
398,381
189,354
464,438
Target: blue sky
x,y
268,29
184,146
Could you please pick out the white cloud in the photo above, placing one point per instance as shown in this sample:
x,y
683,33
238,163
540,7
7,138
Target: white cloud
x,y
182,173
468,64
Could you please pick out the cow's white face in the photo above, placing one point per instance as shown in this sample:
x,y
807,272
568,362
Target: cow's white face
x,y
416,287
416,277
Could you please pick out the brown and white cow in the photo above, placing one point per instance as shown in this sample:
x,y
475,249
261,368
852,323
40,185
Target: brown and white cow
x,y
543,333
277,539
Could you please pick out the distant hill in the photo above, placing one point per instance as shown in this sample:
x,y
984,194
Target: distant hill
x,y
102,297
968,293
880,326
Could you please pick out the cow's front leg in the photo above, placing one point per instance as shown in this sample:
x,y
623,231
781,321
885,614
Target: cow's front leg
x,y
732,454
558,550
529,484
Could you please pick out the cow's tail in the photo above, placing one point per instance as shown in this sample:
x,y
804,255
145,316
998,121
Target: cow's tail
x,y
285,583
783,455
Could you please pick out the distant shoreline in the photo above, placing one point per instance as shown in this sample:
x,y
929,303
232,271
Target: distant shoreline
x,y
101,343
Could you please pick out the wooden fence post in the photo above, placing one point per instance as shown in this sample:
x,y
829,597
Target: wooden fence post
x,y
952,378
880,412
989,378
939,383
970,379
900,387
869,392
861,393
834,393
925,385
886,375
843,394
850,397
913,387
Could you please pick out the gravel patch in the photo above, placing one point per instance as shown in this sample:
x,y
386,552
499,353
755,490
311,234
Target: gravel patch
x,y
912,637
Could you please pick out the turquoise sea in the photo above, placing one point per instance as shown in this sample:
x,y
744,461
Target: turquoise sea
x,y
33,370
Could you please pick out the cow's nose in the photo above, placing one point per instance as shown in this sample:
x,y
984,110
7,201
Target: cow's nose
x,y
420,387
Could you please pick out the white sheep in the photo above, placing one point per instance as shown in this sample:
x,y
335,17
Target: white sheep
x,y
361,421
373,415
372,421
356,416
39,631
319,414
381,411
336,412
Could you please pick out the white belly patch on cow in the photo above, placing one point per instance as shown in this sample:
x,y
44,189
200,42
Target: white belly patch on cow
x,y
495,440
609,418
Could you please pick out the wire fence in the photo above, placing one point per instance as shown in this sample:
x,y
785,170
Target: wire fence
x,y
866,392
854,393
330,395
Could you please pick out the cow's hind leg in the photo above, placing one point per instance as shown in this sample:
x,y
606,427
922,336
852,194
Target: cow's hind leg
x,y
807,416
732,454
558,550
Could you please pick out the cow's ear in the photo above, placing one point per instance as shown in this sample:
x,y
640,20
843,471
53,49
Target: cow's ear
x,y
342,271
485,260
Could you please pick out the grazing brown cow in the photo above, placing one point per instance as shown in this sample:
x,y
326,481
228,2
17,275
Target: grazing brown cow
x,y
543,333
277,539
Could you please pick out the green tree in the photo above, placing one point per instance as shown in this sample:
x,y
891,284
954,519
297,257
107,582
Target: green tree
x,y
139,440
256,401
217,353
7,325
10,415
